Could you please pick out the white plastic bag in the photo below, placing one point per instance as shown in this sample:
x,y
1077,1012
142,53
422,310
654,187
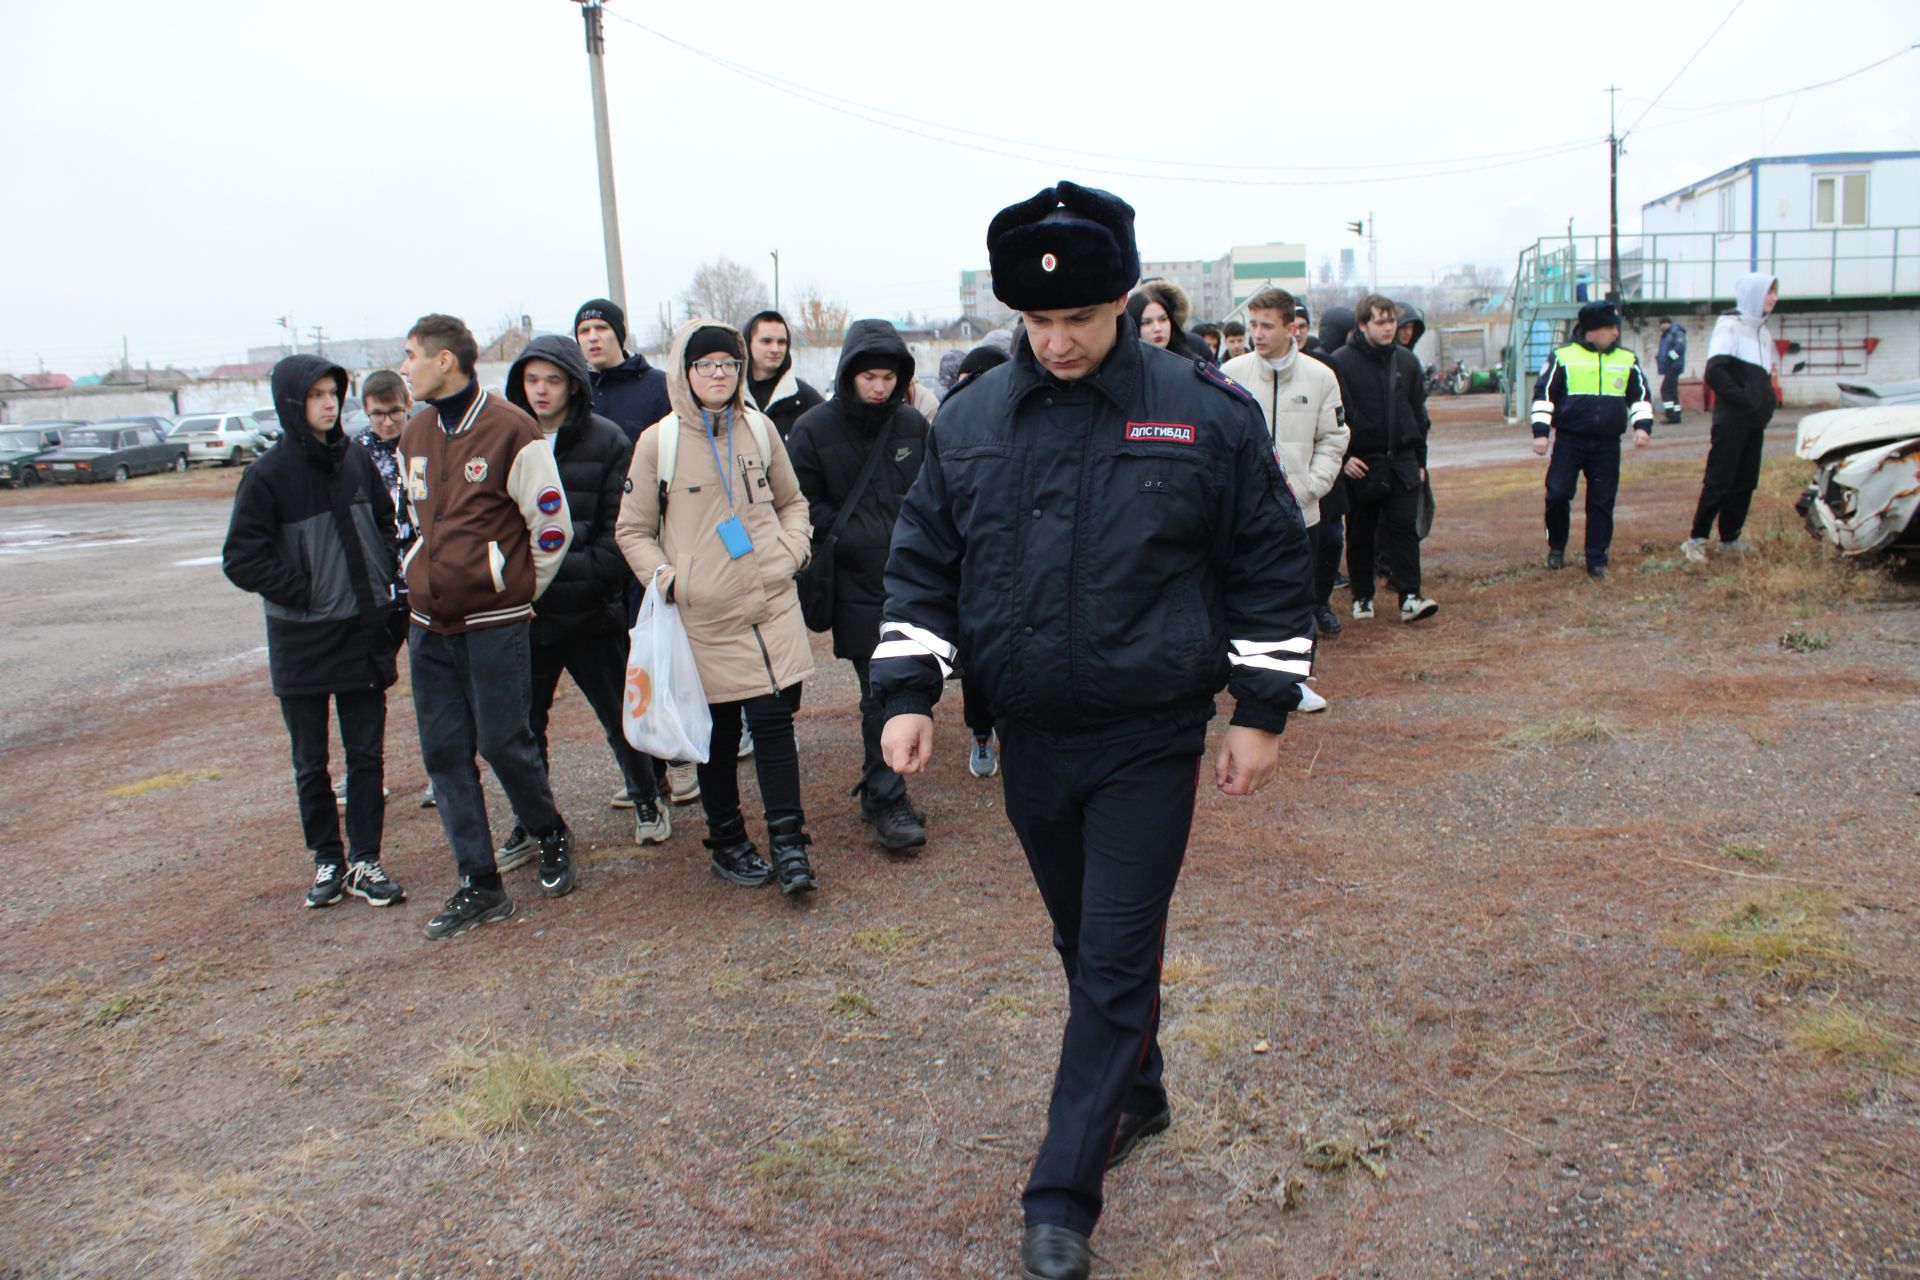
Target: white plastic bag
x,y
664,713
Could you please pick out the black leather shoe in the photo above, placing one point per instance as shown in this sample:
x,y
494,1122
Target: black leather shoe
x,y
898,828
733,855
1556,559
1596,571
1328,620
1134,1130
789,842
1048,1252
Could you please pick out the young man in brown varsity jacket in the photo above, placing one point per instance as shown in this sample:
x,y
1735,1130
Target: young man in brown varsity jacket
x,y
492,524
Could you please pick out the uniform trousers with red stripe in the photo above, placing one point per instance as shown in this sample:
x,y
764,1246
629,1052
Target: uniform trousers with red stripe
x,y
1104,821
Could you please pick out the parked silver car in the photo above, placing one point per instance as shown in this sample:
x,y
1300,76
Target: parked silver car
x,y
226,438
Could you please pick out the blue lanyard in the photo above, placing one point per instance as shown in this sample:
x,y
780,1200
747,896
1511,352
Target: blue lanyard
x,y
726,473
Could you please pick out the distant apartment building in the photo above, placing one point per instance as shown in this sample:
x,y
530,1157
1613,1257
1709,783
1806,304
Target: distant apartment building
x,y
1218,286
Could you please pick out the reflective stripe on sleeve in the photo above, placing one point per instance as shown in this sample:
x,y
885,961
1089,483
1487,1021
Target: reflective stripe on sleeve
x,y
914,642
1259,653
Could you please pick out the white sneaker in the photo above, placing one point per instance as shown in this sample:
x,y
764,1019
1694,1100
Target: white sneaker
x,y
1363,611
1310,701
621,800
1414,608
746,742
683,783
1694,550
652,824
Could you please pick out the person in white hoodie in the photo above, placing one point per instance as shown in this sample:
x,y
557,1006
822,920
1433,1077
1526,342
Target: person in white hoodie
x,y
1739,372
1301,400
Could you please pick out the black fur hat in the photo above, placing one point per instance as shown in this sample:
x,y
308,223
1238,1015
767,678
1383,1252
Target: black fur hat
x,y
1068,246
1597,315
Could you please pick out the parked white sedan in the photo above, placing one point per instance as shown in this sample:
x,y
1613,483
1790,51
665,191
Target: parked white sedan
x,y
226,438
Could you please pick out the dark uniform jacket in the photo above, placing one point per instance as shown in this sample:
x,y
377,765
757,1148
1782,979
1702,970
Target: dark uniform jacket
x,y
829,446
632,394
584,598
312,533
1385,392
1588,392
1672,356
1101,555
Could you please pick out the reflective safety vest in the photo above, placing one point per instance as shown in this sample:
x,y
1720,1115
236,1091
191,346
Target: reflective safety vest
x,y
1596,373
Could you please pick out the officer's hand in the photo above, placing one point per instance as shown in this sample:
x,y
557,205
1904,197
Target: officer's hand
x,y
1640,437
1540,446
1355,468
1248,759
906,744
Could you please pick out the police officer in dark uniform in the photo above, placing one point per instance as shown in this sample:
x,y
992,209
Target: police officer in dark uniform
x,y
1589,392
1101,535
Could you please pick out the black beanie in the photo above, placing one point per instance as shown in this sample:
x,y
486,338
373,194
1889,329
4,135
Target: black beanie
x,y
1596,315
601,309
865,360
708,339
981,359
1067,246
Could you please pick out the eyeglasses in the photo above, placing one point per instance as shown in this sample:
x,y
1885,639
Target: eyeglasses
x,y
386,413
716,368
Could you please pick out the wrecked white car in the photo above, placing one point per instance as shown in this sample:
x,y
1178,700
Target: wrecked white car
x,y
1866,490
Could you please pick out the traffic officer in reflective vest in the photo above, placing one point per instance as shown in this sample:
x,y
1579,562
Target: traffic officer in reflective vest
x,y
1102,536
1588,394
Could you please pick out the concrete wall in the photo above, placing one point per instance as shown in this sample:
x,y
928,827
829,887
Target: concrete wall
x,y
1895,358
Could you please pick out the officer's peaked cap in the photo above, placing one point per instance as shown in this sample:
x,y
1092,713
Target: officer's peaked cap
x,y
1067,246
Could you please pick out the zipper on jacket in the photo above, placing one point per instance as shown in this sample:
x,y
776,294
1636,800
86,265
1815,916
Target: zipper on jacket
x,y
766,658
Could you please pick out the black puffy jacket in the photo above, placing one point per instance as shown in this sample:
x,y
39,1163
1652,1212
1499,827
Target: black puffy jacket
x,y
585,596
829,446
632,395
312,533
1385,392
1101,554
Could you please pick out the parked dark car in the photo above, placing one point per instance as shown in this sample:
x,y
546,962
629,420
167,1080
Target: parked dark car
x,y
109,453
163,425
19,446
50,428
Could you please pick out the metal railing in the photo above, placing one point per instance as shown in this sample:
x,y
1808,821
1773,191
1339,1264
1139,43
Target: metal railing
x,y
1556,274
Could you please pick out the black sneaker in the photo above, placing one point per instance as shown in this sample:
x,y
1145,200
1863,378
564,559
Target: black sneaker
x,y
1556,558
1329,620
556,863
1596,571
788,840
734,856
366,879
897,826
469,908
329,882
518,851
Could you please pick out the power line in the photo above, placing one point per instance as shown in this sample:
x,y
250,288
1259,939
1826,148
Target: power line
x,y
1788,93
867,113
1683,68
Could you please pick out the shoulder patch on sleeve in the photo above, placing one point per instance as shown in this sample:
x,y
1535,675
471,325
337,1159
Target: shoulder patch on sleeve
x,y
1211,374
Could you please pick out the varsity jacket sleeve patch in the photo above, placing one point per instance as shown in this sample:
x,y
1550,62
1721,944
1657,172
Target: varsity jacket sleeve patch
x,y
1267,576
533,482
916,650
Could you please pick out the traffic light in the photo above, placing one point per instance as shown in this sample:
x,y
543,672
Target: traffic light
x,y
1358,228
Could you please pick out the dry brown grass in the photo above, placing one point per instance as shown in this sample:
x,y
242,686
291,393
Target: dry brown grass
x,y
818,1168
1563,731
511,1089
1787,933
1842,1033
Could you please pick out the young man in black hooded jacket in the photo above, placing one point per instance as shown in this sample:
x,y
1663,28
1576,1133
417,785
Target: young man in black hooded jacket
x,y
579,627
312,533
829,448
772,384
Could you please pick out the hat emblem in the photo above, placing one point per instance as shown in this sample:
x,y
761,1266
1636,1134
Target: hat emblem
x,y
1048,262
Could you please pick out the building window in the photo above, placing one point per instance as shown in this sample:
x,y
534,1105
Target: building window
x,y
1726,223
1840,200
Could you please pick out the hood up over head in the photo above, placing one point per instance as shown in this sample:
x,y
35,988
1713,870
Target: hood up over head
x,y
786,361
1407,313
565,353
1335,325
871,344
679,383
292,379
1742,332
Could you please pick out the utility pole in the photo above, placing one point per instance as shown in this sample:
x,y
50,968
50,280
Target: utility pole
x,y
1613,199
1373,254
603,145
776,278
319,340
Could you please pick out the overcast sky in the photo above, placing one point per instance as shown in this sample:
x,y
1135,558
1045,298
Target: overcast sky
x,y
183,173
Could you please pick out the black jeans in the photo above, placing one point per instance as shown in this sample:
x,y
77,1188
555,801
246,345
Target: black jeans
x,y
776,757
1598,459
363,733
598,665
1390,517
1326,540
472,693
974,709
1105,828
880,787
1733,472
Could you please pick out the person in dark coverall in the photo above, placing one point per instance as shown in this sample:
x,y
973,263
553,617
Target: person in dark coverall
x,y
1671,359
1101,535
1589,392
